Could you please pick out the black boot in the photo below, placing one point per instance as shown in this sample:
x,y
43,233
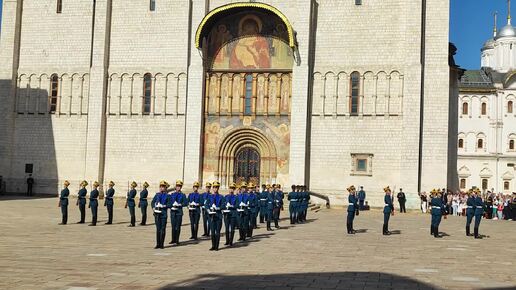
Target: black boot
x,y
468,233
436,232
231,237
351,228
227,234
431,230
269,226
276,225
477,236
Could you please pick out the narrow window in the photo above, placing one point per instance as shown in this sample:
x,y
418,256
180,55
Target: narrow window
x,y
511,144
462,183
506,185
483,109
480,143
509,107
361,165
59,7
461,143
358,2
248,94
355,90
465,108
152,5
54,88
484,184
147,92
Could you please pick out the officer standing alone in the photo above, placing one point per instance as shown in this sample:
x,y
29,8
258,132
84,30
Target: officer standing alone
x,y
352,209
63,202
470,211
361,197
436,203
402,199
143,204
388,210
94,203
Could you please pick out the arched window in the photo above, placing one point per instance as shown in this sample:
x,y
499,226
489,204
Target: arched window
x,y
484,183
152,5
509,107
461,143
248,94
59,7
147,92
483,109
480,143
465,108
54,90
462,183
355,91
506,185
511,144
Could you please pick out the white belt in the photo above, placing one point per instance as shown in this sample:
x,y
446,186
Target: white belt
x,y
293,200
479,207
226,211
240,210
263,199
436,207
387,205
351,204
174,208
469,206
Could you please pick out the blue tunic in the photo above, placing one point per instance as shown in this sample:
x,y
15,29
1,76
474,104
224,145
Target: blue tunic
x,y
82,196
63,197
109,196
131,194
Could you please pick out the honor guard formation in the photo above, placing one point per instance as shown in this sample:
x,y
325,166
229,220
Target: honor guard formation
x,y
243,207
238,210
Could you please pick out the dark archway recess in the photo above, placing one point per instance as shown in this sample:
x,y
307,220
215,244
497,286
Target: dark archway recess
x,y
247,166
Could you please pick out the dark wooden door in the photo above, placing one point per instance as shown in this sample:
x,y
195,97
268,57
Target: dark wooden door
x,y
247,166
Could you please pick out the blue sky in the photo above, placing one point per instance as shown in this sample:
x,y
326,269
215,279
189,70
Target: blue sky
x,y
471,24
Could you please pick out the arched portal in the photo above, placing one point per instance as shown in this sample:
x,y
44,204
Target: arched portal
x,y
247,51
247,165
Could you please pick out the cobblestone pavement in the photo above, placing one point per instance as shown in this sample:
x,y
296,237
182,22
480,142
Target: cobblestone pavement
x,y
36,253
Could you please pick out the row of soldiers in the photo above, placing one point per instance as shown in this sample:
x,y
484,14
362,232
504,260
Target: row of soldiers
x,y
240,210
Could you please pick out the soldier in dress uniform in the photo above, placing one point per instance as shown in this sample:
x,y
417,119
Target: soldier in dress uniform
x,y
131,194
263,203
214,205
292,198
277,205
109,202
205,217
352,208
489,205
257,211
194,210
230,214
253,209
159,206
470,210
81,200
361,197
94,203
243,211
177,202
388,210
63,202
278,186
437,206
270,207
142,204
479,211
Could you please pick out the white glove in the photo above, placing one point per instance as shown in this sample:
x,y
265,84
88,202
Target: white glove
x,y
176,204
228,204
242,204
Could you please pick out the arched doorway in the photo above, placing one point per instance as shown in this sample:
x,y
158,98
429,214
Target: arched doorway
x,y
247,166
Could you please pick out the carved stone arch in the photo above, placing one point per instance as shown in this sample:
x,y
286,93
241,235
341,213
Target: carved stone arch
x,y
464,172
485,173
240,138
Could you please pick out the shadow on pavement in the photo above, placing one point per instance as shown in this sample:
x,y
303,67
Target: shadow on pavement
x,y
13,196
334,280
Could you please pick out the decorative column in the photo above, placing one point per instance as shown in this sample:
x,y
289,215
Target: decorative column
x,y
230,94
255,94
153,96
361,96
323,97
335,95
375,96
58,103
266,92
219,93
207,94
388,98
348,96
242,93
70,98
279,80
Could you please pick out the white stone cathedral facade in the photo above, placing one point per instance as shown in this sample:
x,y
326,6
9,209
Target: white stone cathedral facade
x,y
325,93
487,117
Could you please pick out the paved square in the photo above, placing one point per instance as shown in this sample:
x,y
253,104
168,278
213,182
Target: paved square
x,y
36,253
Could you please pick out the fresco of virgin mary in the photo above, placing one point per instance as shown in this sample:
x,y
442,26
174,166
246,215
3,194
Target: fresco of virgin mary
x,y
251,50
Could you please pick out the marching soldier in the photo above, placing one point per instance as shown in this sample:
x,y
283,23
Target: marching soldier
x,y
230,214
159,206
263,203
292,197
63,202
131,194
214,205
352,209
388,210
278,186
194,210
253,210
470,210
109,202
205,217
94,203
479,210
177,202
243,211
277,205
437,206
142,204
81,200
